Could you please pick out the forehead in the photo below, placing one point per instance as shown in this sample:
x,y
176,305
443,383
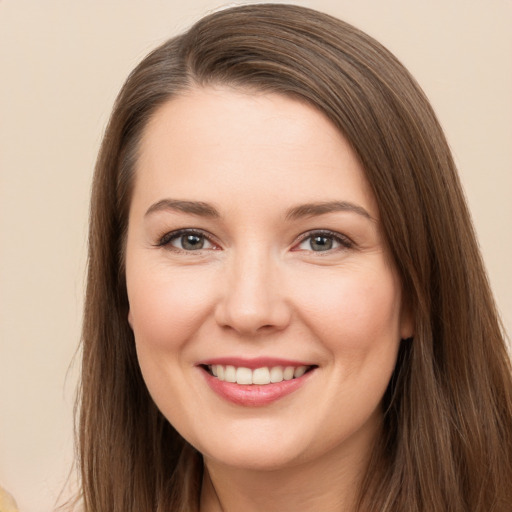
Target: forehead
x,y
209,140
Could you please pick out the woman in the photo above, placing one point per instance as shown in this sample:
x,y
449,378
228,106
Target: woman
x,y
286,306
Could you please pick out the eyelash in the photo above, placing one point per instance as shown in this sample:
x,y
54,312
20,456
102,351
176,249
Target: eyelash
x,y
343,241
165,240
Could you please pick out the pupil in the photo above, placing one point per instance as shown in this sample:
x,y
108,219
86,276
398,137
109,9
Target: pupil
x,y
321,243
192,242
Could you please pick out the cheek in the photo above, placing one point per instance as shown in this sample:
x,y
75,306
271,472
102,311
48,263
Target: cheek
x,y
354,310
166,307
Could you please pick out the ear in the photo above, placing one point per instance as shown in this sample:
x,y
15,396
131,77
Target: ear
x,y
406,322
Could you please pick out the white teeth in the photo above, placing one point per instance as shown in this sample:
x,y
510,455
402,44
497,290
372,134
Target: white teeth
x,y
299,372
243,375
259,376
288,373
276,374
230,374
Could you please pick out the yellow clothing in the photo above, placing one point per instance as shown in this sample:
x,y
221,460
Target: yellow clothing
x,y
7,503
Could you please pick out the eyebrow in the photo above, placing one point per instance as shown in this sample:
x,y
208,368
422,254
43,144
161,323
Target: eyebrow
x,y
314,209
192,207
203,209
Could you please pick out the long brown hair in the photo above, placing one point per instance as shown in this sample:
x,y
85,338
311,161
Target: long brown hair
x,y
447,438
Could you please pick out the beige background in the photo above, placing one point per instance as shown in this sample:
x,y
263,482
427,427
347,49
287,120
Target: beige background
x,y
62,63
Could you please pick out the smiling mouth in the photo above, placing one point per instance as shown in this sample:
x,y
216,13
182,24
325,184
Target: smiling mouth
x,y
258,376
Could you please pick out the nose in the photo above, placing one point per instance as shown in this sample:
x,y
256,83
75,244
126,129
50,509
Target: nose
x,y
253,300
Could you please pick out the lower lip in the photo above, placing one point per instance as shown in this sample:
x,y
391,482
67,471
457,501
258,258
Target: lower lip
x,y
254,395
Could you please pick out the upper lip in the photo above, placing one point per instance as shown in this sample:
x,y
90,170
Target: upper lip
x,y
253,363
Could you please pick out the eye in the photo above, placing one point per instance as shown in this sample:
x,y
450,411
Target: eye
x,y
186,240
323,241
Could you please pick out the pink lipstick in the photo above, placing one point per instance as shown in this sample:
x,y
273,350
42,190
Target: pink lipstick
x,y
255,382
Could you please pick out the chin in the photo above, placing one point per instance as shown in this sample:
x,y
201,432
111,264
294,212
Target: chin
x,y
256,458
249,453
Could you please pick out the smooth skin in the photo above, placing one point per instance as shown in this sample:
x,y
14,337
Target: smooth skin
x,y
224,260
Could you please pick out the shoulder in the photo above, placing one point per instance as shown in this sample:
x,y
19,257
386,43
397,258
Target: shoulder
x,y
7,503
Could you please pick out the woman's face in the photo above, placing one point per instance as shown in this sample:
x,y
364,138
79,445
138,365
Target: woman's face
x,y
255,253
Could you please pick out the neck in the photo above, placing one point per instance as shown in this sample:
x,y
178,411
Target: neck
x,y
329,483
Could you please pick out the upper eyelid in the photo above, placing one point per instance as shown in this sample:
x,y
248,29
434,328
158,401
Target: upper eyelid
x,y
325,232
171,235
